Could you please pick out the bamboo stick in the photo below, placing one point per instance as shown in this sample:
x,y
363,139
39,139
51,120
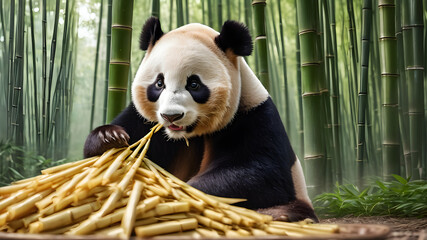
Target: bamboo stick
x,y
68,207
166,227
128,219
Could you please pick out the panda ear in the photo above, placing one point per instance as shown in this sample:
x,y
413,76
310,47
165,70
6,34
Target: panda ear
x,y
235,36
151,32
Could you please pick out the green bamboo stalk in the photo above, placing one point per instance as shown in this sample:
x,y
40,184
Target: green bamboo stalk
x,y
155,8
298,76
258,7
44,78
239,12
274,44
4,56
389,78
412,27
187,12
179,13
229,9
107,56
425,90
334,91
376,98
50,76
285,75
219,13
29,135
353,59
121,36
203,12
210,14
10,68
363,91
18,82
95,74
170,14
324,89
35,92
60,109
248,16
314,149
403,94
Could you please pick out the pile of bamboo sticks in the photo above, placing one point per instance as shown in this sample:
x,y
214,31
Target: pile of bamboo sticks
x,y
122,192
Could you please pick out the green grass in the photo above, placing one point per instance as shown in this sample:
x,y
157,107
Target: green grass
x,y
399,197
11,170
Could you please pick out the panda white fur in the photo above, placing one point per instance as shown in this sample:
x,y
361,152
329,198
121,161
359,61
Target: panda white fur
x,y
195,82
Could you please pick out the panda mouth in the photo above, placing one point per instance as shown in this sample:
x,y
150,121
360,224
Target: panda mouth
x,y
174,127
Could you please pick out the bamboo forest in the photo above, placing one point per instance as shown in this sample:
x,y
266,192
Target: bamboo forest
x,y
347,76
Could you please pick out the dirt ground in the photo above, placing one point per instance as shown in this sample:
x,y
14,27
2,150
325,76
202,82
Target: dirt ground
x,y
401,228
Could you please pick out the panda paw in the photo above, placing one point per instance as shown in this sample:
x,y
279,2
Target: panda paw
x,y
103,138
292,212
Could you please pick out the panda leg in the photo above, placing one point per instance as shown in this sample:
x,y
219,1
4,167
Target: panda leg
x,y
294,211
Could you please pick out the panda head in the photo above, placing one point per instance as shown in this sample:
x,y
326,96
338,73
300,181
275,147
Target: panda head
x,y
189,79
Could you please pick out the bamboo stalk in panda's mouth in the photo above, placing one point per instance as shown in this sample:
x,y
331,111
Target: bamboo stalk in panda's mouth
x,y
121,193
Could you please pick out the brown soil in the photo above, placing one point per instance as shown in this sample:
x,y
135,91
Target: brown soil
x,y
401,228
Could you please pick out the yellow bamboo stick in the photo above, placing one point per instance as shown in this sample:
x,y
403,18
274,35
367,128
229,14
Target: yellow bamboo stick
x,y
174,216
13,198
3,218
66,172
128,219
145,173
147,204
63,218
72,184
24,207
30,219
166,227
65,166
166,208
145,221
209,233
45,201
106,157
28,180
114,231
115,165
157,190
12,188
160,178
258,232
93,223
236,218
207,222
75,197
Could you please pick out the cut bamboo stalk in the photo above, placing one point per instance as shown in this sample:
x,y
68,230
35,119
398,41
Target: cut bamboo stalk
x,y
128,219
65,166
19,209
63,218
166,227
79,204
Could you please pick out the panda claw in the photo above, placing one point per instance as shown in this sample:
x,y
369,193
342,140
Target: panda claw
x,y
103,138
110,136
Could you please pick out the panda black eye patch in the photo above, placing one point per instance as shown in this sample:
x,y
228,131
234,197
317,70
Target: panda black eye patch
x,y
198,91
155,89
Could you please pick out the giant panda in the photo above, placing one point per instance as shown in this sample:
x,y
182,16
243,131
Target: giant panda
x,y
195,82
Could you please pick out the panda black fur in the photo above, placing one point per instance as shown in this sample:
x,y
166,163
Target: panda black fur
x,y
238,145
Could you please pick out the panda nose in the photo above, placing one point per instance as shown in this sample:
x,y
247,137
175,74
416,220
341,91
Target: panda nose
x,y
172,117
